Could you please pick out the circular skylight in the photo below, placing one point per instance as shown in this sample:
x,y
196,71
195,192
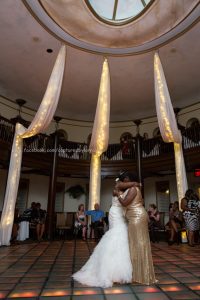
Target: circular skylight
x,y
117,11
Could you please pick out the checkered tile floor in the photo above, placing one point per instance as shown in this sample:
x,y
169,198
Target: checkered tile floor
x,y
43,271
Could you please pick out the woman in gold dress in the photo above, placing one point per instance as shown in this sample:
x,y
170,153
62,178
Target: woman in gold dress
x,y
139,242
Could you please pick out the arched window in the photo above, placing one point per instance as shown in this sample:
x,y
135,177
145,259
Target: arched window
x,y
193,122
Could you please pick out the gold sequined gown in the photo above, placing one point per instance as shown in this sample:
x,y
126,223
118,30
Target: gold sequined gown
x,y
139,242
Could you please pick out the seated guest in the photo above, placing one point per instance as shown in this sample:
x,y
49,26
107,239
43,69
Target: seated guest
x,y
97,225
38,216
81,221
175,221
154,221
27,214
167,226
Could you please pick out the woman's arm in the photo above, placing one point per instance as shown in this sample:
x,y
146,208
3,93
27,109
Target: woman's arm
x,y
77,216
157,217
126,185
82,222
115,192
129,197
184,206
179,216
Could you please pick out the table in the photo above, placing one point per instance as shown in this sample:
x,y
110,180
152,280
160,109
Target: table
x,y
23,232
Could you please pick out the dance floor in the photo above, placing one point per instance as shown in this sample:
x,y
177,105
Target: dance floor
x,y
43,271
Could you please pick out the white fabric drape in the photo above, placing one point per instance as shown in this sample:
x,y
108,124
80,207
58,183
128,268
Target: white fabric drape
x,y
95,180
181,177
168,125
40,122
100,135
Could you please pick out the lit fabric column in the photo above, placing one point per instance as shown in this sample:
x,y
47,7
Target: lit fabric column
x,y
12,186
168,125
95,180
40,122
100,135
181,177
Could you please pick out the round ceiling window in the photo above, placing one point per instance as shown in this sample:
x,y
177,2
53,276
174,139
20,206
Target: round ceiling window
x,y
118,11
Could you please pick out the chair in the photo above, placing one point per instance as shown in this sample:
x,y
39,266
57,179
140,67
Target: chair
x,y
64,223
178,235
160,230
32,230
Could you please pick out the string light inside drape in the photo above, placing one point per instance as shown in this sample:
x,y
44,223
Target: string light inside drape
x,y
100,135
168,124
40,122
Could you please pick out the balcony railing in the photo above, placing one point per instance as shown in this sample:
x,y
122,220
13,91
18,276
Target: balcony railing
x,y
72,150
6,130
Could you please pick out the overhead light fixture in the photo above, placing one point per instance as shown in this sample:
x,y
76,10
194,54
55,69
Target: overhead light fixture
x,y
49,50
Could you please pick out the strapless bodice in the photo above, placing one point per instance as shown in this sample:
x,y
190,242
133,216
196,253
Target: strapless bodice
x,y
116,213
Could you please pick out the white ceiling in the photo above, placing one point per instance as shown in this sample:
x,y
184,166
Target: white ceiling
x,y
25,67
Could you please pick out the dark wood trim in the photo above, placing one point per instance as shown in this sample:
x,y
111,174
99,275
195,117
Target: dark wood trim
x,y
40,163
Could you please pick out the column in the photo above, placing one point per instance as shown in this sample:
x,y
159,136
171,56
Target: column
x,y
50,222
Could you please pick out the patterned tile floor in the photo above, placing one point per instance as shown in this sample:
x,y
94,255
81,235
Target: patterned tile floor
x,y
43,271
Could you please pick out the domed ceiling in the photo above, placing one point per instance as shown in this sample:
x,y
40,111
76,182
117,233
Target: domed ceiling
x,y
28,28
75,23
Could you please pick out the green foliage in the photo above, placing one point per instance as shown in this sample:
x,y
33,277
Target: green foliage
x,y
75,191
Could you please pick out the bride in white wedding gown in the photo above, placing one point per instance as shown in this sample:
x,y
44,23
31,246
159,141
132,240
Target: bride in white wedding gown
x,y
110,261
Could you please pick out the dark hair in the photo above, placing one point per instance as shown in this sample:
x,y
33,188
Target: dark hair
x,y
124,174
79,207
191,195
153,206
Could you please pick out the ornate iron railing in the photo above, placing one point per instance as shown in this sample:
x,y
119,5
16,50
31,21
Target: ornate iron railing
x,y
122,151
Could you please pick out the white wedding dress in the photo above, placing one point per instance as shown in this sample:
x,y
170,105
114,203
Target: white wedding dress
x,y
110,261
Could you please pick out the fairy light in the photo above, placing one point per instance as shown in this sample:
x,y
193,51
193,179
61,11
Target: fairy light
x,y
179,176
160,87
99,140
168,134
95,177
41,121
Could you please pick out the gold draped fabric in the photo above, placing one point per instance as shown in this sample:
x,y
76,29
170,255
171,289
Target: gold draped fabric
x,y
168,124
100,135
40,122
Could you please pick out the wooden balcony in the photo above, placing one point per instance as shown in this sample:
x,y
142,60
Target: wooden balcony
x,y
74,158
